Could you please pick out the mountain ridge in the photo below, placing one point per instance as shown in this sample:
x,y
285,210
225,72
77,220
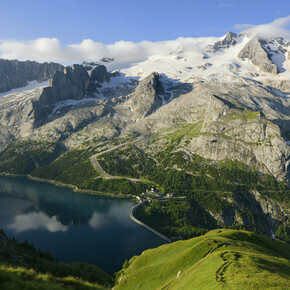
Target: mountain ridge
x,y
221,258
209,107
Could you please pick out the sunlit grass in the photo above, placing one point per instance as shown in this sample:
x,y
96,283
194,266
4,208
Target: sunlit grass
x,y
220,259
22,278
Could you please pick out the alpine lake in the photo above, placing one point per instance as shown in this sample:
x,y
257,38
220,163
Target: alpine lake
x,y
72,226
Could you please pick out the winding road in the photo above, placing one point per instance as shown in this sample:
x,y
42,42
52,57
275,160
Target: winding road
x,y
104,174
99,168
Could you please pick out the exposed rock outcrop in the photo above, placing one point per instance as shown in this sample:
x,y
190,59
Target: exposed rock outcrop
x,y
99,73
229,40
74,83
147,96
255,52
16,74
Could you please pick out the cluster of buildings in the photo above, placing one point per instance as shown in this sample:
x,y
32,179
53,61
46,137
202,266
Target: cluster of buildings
x,y
146,196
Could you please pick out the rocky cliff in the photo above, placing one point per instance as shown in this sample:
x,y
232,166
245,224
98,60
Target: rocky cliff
x,y
16,74
258,55
218,114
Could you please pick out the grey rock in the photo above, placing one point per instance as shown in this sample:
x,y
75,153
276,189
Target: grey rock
x,y
146,97
99,73
16,74
241,119
255,52
281,85
74,83
106,59
229,40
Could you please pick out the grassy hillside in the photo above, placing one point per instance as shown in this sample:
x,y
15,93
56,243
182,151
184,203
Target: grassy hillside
x,y
220,259
22,278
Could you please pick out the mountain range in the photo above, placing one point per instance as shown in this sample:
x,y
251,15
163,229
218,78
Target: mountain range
x,y
216,113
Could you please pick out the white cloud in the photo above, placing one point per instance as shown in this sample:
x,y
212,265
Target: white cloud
x,y
243,26
96,221
278,27
282,22
125,53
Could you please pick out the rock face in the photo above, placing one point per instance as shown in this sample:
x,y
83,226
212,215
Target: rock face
x,y
16,74
255,52
147,96
73,83
99,73
229,40
269,210
239,120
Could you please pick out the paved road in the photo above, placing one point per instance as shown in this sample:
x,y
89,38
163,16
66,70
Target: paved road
x,y
99,168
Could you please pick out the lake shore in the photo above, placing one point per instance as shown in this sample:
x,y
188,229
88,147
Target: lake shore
x,y
87,191
71,186
76,189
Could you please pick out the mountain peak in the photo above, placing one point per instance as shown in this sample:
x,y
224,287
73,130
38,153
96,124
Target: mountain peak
x,y
226,42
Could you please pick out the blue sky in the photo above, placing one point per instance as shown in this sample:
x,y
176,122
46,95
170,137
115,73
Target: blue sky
x,y
71,21
70,31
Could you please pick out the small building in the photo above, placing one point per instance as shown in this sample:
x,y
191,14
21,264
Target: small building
x,y
168,195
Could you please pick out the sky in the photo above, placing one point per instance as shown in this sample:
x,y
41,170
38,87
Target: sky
x,y
33,28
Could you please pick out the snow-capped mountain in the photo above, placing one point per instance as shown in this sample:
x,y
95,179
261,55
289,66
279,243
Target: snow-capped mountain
x,y
220,99
177,87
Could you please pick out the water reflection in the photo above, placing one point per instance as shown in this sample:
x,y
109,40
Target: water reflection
x,y
96,221
72,226
48,200
35,221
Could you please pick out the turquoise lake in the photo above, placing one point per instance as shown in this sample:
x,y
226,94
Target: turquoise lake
x,y
72,226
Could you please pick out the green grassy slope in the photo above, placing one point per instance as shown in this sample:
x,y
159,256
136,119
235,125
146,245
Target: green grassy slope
x,y
221,259
18,278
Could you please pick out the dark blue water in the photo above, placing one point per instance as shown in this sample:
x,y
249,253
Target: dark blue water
x,y
72,226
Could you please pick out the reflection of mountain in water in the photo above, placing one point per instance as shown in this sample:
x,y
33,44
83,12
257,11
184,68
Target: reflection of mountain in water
x,y
65,205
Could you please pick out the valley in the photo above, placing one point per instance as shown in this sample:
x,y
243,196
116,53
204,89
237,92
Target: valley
x,y
198,134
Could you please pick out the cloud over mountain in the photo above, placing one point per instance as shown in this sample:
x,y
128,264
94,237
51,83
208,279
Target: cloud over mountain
x,y
276,28
124,52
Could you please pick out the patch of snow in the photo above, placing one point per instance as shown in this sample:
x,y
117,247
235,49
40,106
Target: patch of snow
x,y
277,56
31,86
70,102
183,62
120,80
